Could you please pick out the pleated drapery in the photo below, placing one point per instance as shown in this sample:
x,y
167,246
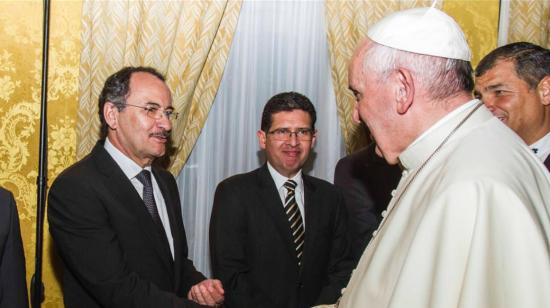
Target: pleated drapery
x,y
529,20
187,41
348,22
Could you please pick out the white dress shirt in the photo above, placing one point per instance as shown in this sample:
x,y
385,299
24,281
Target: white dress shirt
x,y
131,170
542,147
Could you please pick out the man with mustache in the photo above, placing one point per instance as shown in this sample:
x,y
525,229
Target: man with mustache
x,y
116,219
278,236
513,81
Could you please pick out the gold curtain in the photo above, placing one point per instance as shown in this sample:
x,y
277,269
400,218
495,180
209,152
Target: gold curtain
x,y
188,41
20,79
529,21
347,24
20,70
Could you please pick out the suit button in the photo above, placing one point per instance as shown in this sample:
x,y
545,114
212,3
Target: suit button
x,y
393,193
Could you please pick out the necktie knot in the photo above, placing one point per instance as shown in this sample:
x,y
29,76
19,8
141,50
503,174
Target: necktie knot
x,y
148,195
290,185
144,177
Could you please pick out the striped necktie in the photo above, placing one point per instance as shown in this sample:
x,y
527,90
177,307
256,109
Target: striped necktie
x,y
295,219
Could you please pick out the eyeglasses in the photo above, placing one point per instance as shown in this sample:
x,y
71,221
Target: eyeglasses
x,y
285,134
155,112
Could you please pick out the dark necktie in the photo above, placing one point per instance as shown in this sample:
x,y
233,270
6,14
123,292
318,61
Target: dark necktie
x,y
295,219
148,198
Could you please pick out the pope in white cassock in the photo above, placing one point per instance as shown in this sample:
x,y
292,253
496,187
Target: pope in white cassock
x,y
468,225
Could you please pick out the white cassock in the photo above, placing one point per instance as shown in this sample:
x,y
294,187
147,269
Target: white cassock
x,y
471,230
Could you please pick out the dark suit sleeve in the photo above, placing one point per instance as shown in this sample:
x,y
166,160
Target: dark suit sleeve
x,y
13,284
90,249
228,234
362,219
340,261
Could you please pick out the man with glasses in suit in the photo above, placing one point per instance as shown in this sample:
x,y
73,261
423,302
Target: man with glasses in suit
x,y
116,219
278,236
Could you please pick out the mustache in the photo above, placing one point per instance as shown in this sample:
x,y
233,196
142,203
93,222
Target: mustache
x,y
163,134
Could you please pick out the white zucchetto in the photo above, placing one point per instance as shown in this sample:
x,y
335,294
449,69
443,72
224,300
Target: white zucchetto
x,y
426,31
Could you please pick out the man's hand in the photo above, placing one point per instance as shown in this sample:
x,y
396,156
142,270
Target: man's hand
x,y
208,292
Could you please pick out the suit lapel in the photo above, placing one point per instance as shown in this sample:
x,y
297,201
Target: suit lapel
x,y
124,192
272,202
177,234
311,217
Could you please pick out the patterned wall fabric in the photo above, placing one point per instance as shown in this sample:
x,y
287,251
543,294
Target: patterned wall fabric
x,y
188,41
20,71
347,24
529,20
20,79
479,21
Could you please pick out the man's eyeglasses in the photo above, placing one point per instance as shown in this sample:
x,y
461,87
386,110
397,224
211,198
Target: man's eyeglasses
x,y
285,134
155,112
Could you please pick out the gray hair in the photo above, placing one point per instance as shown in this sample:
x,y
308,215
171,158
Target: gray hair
x,y
441,77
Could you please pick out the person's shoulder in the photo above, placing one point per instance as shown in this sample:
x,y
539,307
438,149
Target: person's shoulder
x,y
320,184
245,178
7,208
79,168
7,203
82,173
495,154
163,173
355,156
5,194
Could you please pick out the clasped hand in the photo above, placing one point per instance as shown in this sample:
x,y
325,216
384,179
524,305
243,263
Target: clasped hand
x,y
208,292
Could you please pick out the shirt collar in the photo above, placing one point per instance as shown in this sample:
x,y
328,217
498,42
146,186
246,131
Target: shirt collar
x,y
542,147
427,142
128,166
280,180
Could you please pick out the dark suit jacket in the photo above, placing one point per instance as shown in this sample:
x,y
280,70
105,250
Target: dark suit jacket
x,y
367,181
547,162
13,283
252,249
113,253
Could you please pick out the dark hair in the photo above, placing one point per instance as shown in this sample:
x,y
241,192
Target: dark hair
x,y
116,90
286,101
532,62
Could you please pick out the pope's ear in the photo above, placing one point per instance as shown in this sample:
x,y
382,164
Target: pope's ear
x,y
543,90
110,113
405,90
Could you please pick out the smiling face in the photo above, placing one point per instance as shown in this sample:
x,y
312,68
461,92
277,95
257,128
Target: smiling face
x,y
138,136
287,157
511,100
